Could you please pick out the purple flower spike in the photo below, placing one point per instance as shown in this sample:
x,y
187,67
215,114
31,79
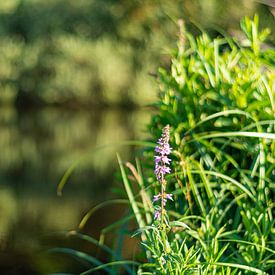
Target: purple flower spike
x,y
161,160
162,168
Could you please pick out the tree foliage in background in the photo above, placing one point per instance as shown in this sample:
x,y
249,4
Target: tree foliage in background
x,y
95,52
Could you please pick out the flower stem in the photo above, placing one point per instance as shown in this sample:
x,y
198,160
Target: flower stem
x,y
162,203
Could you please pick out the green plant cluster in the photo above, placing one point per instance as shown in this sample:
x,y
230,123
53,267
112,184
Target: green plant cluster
x,y
219,101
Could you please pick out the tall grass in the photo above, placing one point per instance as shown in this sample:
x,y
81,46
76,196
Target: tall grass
x,y
218,98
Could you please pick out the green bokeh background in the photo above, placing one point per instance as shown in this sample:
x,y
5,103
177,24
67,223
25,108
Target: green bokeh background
x,y
75,75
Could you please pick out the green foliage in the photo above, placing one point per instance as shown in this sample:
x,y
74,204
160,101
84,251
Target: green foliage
x,y
95,52
219,100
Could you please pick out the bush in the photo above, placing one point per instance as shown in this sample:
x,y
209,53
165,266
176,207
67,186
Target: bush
x,y
218,100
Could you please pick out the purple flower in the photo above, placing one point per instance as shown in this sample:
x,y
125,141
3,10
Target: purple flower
x,y
163,197
163,149
157,215
163,159
156,197
162,168
169,196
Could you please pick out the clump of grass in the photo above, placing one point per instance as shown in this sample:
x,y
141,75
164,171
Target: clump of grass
x,y
218,100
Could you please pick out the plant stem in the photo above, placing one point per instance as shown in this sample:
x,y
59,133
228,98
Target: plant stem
x,y
162,202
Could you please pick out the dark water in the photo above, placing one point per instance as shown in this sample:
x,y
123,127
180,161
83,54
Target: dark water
x,y
37,147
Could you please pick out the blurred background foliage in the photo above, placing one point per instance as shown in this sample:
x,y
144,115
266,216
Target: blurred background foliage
x,y
75,75
98,52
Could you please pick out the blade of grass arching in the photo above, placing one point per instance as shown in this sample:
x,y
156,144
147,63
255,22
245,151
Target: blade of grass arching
x,y
236,183
133,203
231,142
269,92
141,230
259,123
97,207
70,170
148,207
195,189
242,267
179,224
221,252
220,114
85,237
196,236
144,196
249,243
238,134
207,69
79,255
216,60
104,266
130,195
218,152
206,182
65,178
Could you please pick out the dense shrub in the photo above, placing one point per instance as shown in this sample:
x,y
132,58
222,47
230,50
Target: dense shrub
x,y
219,100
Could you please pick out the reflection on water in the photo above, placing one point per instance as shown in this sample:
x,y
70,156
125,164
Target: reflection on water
x,y
36,149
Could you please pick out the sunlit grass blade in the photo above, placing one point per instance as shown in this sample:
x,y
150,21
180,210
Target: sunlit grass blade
x,y
146,202
206,182
65,178
220,114
229,179
242,267
195,190
239,134
73,166
130,194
